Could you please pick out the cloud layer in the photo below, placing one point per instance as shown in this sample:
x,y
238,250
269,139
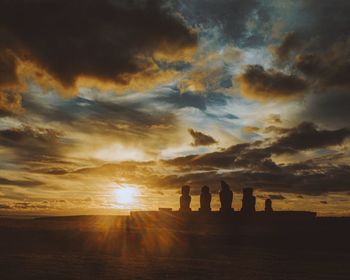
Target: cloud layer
x,y
111,41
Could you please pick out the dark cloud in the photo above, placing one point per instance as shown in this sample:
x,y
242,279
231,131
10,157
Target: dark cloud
x,y
250,164
258,83
309,179
31,143
330,109
313,179
238,156
107,40
7,67
10,99
5,206
309,64
214,160
17,136
308,136
322,59
276,129
201,139
21,183
51,171
329,68
324,22
320,38
277,197
257,155
291,42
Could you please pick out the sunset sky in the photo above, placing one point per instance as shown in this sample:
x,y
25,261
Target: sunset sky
x,y
105,98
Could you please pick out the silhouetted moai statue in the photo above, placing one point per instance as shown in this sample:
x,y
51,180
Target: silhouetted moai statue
x,y
226,197
248,201
268,206
205,200
185,199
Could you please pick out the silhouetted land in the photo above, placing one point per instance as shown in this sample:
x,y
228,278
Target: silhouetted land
x,y
114,247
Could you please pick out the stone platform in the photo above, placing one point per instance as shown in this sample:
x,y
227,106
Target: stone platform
x,y
195,219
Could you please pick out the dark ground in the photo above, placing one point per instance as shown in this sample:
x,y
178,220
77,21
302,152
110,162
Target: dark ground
x,y
112,248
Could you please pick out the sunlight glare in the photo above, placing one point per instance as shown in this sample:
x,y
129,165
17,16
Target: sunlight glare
x,y
126,195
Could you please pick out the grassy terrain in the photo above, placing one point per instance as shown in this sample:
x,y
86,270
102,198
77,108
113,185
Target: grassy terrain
x,y
109,248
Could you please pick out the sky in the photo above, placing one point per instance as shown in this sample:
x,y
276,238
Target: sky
x,y
98,96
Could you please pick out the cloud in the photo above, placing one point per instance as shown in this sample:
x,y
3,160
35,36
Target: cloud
x,y
273,119
308,178
51,171
329,68
308,136
236,19
182,100
101,115
246,164
10,99
210,71
236,156
5,206
103,127
330,108
8,75
276,130
291,42
277,197
107,41
31,143
10,103
193,99
21,183
201,139
250,129
252,164
327,22
261,84
311,179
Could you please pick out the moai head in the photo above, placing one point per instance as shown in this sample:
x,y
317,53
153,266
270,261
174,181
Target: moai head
x,y
185,199
205,189
226,197
248,201
268,205
247,192
224,186
185,190
205,199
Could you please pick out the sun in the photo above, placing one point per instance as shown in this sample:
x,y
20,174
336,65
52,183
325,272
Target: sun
x,y
126,195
